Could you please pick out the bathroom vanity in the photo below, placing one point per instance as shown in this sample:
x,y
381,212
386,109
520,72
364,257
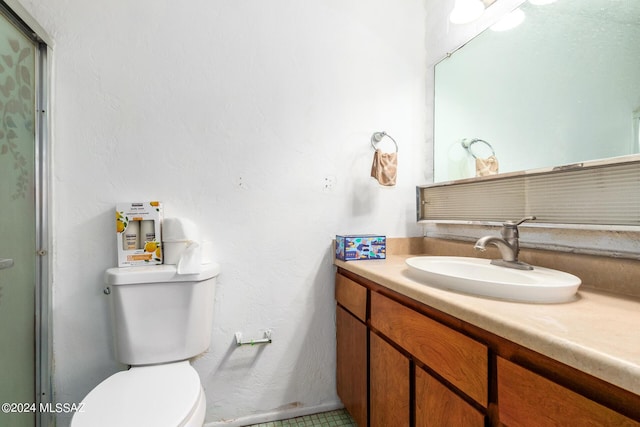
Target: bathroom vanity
x,y
410,354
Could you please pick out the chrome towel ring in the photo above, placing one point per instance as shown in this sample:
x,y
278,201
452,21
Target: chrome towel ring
x,y
377,137
468,142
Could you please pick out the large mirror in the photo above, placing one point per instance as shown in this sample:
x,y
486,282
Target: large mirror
x,y
562,87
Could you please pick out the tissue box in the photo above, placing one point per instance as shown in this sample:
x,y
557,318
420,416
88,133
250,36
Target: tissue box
x,y
138,228
356,247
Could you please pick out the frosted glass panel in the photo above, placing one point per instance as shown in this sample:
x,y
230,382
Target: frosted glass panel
x,y
586,195
17,222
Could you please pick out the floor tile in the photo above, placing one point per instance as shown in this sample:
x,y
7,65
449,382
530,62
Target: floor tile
x,y
337,418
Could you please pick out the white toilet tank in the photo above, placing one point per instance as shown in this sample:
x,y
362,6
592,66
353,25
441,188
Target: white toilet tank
x,y
160,316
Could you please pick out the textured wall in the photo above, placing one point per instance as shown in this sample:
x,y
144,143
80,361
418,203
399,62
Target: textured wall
x,y
236,115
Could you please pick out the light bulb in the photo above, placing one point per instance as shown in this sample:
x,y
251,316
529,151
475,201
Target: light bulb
x,y
465,11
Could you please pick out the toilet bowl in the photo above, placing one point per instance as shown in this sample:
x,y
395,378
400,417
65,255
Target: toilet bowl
x,y
159,395
161,319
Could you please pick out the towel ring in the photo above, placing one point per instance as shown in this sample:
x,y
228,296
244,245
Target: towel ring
x,y
377,137
467,143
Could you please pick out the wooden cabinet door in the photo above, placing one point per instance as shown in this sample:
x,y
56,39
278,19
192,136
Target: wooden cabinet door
x,y
457,358
437,406
389,385
351,369
526,399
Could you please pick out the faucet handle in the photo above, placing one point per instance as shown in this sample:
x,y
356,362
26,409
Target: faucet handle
x,y
517,223
510,228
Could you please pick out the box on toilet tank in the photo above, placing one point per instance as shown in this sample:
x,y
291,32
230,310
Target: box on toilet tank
x,y
360,247
138,227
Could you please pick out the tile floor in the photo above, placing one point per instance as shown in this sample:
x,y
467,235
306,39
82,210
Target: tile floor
x,y
338,418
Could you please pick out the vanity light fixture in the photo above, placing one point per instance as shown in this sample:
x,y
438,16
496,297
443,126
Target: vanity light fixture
x,y
465,11
509,21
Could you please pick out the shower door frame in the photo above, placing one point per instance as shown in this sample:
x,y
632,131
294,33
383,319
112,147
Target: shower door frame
x,y
43,322
13,11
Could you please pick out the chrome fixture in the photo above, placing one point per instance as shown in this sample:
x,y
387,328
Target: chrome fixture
x,y
468,142
378,136
508,245
266,340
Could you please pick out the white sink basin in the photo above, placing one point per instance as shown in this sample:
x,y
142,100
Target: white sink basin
x,y
478,277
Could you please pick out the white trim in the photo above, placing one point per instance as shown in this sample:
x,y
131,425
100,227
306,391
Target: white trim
x,y
277,415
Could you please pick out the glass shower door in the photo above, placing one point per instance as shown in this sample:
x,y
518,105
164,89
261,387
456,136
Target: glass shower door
x,y
17,226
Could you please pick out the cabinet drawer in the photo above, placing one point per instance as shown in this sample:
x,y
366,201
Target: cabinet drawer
x,y
352,296
457,358
527,399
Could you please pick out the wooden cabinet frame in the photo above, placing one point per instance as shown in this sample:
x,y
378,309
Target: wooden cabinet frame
x,y
600,392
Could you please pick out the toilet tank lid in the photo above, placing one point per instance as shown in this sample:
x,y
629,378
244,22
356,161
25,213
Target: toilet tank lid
x,y
157,274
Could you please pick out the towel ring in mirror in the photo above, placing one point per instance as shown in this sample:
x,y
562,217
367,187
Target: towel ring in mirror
x,y
467,143
378,136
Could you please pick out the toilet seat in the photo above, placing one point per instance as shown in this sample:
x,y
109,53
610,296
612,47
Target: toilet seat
x,y
159,395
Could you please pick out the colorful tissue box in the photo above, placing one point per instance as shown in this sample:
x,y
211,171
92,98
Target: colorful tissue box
x,y
357,247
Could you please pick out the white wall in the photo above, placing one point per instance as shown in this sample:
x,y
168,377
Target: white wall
x,y
233,114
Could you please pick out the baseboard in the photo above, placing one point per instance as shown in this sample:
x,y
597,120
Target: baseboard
x,y
277,415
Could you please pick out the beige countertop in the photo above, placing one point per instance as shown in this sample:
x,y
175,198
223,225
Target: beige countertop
x,y
598,333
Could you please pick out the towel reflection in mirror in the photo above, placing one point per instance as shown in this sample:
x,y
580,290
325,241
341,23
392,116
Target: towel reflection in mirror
x,y
484,165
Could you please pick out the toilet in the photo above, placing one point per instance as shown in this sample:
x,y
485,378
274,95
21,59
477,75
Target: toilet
x,y
161,319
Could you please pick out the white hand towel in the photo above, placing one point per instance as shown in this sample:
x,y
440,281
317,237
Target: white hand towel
x,y
385,167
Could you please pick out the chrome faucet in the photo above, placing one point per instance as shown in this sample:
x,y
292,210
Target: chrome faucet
x,y
507,244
